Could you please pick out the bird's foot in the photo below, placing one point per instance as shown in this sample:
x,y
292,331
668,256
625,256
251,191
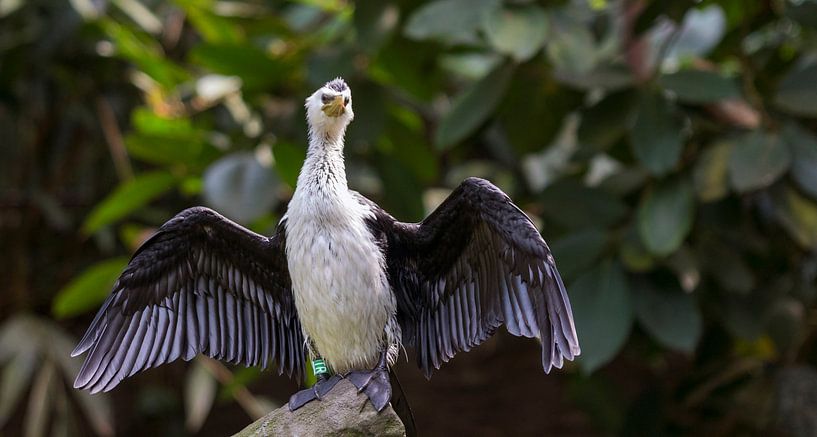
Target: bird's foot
x,y
317,391
375,383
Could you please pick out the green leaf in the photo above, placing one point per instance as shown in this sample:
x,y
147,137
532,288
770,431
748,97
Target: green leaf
x,y
212,28
604,123
796,93
472,107
451,21
665,216
571,46
128,197
257,70
633,254
803,146
657,134
374,24
603,312
578,251
699,86
670,316
797,214
289,157
164,150
241,187
757,160
89,289
519,32
573,205
711,171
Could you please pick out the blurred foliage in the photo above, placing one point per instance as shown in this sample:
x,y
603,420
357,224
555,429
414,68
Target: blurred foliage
x,y
669,149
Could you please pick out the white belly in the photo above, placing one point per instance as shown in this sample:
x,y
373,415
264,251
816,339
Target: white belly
x,y
340,287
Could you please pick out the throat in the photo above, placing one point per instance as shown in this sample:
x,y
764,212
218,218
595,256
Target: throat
x,y
324,170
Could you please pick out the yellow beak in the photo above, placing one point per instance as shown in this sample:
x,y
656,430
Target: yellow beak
x,y
334,108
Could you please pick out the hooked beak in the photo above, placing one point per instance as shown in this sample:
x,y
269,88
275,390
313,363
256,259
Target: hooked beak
x,y
334,108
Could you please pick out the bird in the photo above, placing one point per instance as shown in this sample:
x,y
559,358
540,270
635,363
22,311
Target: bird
x,y
340,283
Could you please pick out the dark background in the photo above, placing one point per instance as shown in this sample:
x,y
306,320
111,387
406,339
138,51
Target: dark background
x,y
666,150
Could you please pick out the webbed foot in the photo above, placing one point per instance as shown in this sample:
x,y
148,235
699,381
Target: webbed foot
x,y
317,391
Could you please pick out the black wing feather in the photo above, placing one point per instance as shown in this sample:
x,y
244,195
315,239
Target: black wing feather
x,y
475,263
201,284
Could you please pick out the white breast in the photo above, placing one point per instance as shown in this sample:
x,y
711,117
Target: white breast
x,y
339,282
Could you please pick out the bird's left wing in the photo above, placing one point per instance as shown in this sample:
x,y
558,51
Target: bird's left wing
x,y
475,263
201,284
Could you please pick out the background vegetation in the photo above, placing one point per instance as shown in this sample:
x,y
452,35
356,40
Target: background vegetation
x,y
668,151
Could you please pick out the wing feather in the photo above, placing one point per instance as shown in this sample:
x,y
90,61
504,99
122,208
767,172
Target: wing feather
x,y
477,262
201,284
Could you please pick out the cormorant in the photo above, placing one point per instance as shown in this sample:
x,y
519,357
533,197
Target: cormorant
x,y
340,280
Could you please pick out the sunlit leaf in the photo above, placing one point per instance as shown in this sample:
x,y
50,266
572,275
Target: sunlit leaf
x,y
453,21
669,315
757,160
470,108
710,173
212,28
241,187
700,86
657,134
89,289
199,393
128,197
603,312
519,32
796,93
665,216
798,215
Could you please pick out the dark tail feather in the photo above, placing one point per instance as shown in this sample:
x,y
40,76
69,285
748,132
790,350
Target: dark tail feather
x,y
399,403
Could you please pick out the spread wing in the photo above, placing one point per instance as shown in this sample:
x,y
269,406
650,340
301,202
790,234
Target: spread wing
x,y
201,284
475,263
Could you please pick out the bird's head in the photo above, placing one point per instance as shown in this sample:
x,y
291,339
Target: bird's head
x,y
329,109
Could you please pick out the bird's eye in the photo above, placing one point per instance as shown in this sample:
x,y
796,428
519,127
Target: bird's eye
x,y
326,98
346,100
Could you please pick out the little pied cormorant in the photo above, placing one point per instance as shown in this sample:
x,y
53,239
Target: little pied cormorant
x,y
340,280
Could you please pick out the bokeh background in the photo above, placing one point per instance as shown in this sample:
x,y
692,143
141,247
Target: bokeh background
x,y
667,151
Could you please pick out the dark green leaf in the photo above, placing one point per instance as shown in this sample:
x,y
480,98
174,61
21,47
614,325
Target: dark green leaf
x,y
796,93
472,107
85,292
665,216
452,21
578,251
603,312
241,187
757,160
699,86
289,158
803,146
607,121
374,23
657,134
671,316
128,197
519,32
574,205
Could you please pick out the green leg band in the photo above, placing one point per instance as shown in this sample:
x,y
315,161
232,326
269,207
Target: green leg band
x,y
319,367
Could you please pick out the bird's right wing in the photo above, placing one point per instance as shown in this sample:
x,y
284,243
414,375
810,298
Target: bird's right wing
x,y
201,284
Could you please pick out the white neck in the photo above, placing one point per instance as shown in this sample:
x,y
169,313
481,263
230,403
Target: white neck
x,y
324,169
